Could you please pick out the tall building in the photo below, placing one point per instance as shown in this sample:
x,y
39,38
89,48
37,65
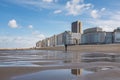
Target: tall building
x,y
76,27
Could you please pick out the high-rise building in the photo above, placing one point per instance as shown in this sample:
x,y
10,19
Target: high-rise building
x,y
76,27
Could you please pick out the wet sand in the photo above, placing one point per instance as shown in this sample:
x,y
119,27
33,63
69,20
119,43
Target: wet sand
x,y
51,60
113,74
7,72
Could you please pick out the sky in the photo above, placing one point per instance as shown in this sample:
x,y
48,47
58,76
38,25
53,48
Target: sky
x,y
24,22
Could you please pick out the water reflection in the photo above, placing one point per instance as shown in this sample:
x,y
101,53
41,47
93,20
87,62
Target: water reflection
x,y
59,57
60,74
96,57
76,71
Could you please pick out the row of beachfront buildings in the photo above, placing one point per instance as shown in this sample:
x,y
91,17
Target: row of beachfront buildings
x,y
76,37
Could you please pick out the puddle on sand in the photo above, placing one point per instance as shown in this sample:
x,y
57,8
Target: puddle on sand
x,y
62,74
59,74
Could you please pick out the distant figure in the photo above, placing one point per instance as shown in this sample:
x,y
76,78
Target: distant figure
x,y
65,47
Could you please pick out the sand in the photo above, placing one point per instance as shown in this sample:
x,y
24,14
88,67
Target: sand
x,y
108,48
8,72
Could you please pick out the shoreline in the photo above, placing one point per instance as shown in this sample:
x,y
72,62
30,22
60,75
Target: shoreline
x,y
108,48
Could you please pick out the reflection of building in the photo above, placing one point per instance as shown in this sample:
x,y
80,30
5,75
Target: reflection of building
x,y
76,27
76,71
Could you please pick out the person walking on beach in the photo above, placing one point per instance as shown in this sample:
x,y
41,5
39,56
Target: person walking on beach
x,y
66,47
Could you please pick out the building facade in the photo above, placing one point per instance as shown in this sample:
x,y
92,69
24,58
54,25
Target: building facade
x,y
109,37
38,44
93,36
75,37
60,39
116,35
52,41
76,27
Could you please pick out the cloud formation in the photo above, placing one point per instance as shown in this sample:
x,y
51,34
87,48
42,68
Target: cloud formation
x,y
97,13
94,14
48,1
13,24
108,24
36,4
76,7
19,41
57,11
37,34
30,26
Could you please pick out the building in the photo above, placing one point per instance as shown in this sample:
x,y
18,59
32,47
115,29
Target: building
x,y
72,38
38,44
52,41
109,38
76,27
60,39
91,30
47,42
68,38
116,35
93,36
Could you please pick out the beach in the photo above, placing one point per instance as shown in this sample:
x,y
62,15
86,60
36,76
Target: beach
x,y
93,62
109,48
7,72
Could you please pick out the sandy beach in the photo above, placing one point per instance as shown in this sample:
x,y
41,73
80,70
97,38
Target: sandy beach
x,y
102,60
7,73
109,48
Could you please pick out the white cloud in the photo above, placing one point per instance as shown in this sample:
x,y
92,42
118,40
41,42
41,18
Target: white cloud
x,y
13,24
115,16
37,4
48,1
40,36
57,11
94,14
97,13
76,7
30,26
19,41
108,28
103,9
37,34
107,25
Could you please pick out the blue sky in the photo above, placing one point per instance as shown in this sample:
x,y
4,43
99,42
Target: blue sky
x,y
24,22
